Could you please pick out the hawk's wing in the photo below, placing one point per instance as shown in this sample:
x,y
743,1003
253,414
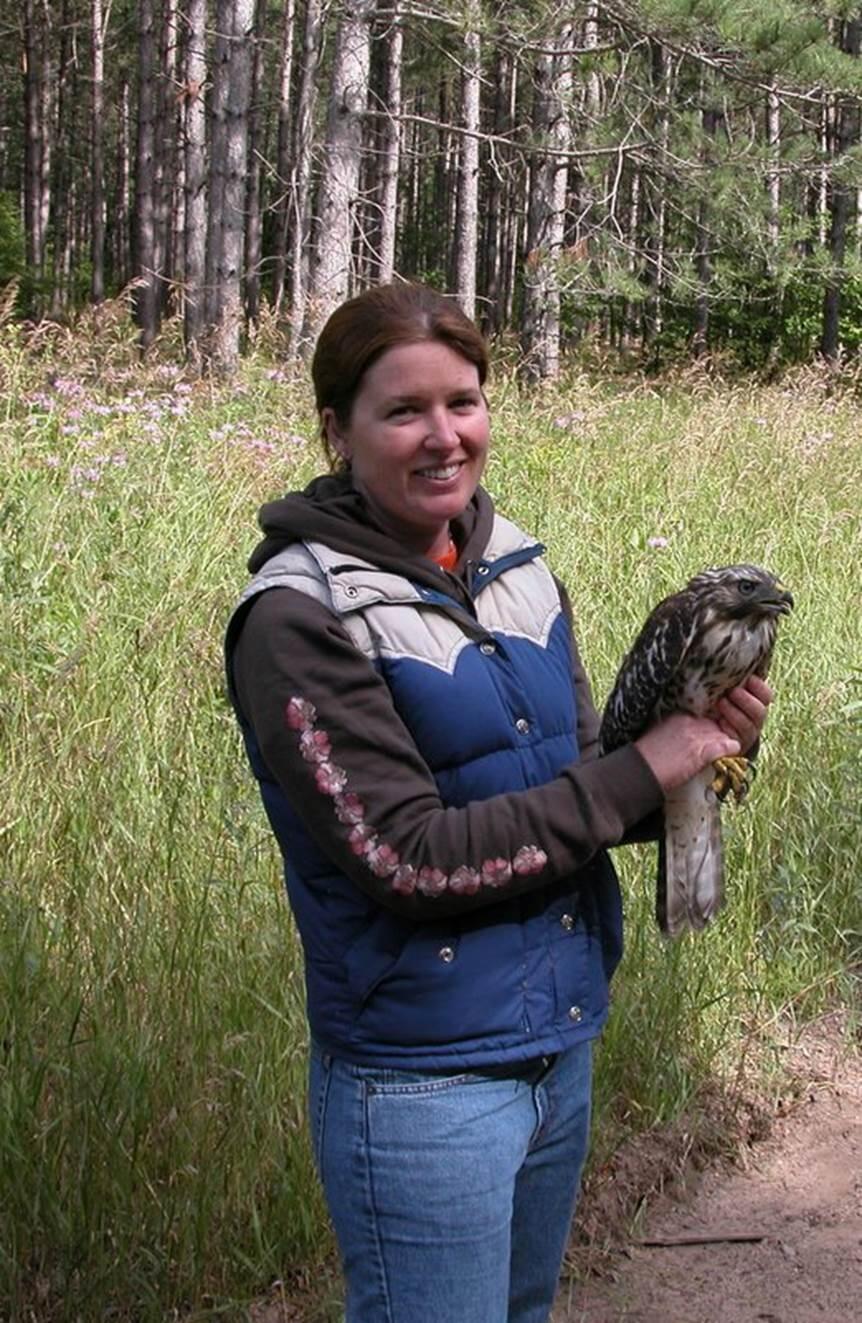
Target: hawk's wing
x,y
648,672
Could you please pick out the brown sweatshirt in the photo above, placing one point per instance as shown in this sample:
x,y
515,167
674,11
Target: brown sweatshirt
x,y
293,648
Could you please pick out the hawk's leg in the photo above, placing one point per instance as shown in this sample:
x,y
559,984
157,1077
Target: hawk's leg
x,y
732,774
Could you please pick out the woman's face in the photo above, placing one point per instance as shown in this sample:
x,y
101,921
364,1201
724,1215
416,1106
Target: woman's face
x,y
416,441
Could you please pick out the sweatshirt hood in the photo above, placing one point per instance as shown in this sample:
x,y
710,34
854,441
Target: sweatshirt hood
x,y
332,511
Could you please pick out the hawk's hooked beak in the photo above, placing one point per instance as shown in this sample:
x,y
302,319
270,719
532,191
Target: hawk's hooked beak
x,y
780,600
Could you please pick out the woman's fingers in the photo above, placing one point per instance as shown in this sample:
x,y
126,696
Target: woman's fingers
x,y
680,746
742,712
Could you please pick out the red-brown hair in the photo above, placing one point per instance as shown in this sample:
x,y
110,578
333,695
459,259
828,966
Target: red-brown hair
x,y
364,327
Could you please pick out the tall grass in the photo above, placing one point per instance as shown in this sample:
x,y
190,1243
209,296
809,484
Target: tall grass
x,y
153,1155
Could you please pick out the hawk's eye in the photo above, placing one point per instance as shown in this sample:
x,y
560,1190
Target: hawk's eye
x,y
746,587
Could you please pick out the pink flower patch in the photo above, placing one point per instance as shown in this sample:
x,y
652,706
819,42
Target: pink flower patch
x,y
496,872
529,859
431,881
314,746
383,861
330,779
300,714
404,880
349,808
465,881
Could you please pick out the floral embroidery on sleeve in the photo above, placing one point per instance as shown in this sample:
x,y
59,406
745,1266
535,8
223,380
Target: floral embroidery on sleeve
x,y
380,858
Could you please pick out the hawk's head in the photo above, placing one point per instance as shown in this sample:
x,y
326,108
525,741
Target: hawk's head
x,y
738,592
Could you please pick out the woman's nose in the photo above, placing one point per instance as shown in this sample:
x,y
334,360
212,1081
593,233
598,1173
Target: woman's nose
x,y
441,430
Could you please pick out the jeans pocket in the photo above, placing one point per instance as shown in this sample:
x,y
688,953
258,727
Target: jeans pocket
x,y
392,1082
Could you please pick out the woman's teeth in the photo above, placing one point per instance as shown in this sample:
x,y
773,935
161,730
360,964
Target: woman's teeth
x,y
448,472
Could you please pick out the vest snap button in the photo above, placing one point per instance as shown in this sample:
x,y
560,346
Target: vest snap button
x,y
446,954
522,725
567,922
575,1014
350,591
481,569
488,649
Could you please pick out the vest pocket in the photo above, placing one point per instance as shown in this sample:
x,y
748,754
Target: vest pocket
x,y
373,955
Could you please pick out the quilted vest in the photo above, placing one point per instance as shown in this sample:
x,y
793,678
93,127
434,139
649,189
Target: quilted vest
x,y
490,703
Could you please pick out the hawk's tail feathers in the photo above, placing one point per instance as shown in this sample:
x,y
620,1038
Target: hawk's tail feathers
x,y
690,886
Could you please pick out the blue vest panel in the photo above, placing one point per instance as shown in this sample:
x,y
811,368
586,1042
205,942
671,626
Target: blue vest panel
x,y
490,703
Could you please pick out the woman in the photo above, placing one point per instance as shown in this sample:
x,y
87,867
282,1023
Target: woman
x,y
415,710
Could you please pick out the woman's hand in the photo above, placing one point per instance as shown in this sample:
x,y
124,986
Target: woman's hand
x,y
742,713
680,746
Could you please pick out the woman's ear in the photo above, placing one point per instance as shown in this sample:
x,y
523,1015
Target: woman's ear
x,y
334,434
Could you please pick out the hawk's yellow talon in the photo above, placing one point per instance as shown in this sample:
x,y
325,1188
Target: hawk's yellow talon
x,y
732,774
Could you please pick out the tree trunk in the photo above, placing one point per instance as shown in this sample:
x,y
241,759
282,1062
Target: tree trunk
x,y
632,228
166,155
773,177
593,90
62,123
847,126
122,209
498,201
97,194
146,268
231,97
512,224
195,202
253,230
661,78
300,186
338,194
282,157
702,261
491,244
390,148
540,339
443,216
827,117
467,226
37,157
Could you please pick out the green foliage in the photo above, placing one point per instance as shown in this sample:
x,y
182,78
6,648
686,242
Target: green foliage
x,y
11,240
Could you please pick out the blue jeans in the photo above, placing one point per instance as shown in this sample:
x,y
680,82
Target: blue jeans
x,y
451,1195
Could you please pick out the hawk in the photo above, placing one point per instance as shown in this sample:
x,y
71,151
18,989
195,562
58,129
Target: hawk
x,y
695,646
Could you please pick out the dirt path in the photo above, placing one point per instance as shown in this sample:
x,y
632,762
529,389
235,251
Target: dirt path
x,y
799,1199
